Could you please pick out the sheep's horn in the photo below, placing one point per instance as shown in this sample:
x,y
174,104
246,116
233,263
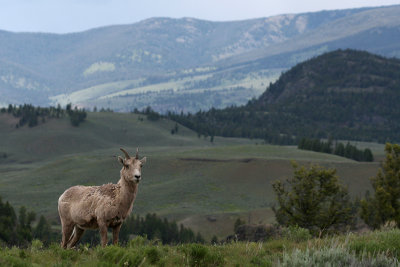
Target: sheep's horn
x,y
137,153
126,153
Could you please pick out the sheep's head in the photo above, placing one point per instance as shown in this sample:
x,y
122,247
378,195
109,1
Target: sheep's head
x,y
132,167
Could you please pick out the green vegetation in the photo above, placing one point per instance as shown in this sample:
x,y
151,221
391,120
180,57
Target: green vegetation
x,y
76,116
348,151
379,248
22,230
383,207
187,179
19,230
32,116
345,95
314,199
155,228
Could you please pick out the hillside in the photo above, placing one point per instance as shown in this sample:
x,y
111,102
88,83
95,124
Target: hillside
x,y
181,64
186,178
345,94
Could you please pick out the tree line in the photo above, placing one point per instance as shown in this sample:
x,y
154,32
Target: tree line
x,y
33,116
151,227
154,227
349,95
19,230
347,151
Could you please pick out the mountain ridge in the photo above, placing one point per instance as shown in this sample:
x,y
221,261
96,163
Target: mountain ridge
x,y
171,49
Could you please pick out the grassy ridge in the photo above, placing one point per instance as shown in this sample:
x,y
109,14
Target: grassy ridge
x,y
373,249
186,178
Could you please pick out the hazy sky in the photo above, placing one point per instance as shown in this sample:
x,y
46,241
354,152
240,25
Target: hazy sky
x,y
61,16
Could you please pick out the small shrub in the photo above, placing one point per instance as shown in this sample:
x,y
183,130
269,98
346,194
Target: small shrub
x,y
138,241
296,234
22,254
200,255
260,261
335,256
11,260
378,242
68,254
36,245
119,256
111,254
131,259
197,255
153,255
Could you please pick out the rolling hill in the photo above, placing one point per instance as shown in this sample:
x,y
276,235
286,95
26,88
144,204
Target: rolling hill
x,y
204,185
344,94
181,64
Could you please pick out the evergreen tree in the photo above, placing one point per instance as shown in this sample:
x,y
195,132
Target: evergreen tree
x,y
238,223
384,206
42,231
339,149
313,199
367,155
24,228
8,222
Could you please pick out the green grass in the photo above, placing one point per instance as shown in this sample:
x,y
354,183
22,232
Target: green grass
x,y
345,250
186,178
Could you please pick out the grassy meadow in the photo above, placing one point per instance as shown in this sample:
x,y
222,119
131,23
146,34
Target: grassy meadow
x,y
204,185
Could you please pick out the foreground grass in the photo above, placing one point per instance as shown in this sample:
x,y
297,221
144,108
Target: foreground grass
x,y
380,248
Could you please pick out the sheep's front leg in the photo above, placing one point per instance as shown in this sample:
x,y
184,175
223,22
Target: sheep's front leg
x,y
116,234
103,234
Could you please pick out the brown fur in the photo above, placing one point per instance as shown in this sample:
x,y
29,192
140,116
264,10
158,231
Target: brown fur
x,y
99,207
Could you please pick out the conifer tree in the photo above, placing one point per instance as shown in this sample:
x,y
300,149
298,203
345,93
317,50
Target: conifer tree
x,y
313,199
384,206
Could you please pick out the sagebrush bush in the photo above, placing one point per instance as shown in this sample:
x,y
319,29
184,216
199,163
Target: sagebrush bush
x,y
335,256
377,242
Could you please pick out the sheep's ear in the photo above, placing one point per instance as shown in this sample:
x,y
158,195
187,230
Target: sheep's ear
x,y
121,160
143,160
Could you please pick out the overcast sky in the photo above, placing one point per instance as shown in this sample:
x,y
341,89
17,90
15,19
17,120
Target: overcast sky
x,y
61,16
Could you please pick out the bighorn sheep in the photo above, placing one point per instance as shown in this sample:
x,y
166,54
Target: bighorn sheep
x,y
100,207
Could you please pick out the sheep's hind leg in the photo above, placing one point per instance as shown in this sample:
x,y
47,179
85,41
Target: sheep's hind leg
x,y
77,234
66,234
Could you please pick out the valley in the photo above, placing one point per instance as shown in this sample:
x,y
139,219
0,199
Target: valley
x,y
186,178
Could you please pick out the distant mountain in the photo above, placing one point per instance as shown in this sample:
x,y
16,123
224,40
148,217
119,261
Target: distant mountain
x,y
181,64
344,94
